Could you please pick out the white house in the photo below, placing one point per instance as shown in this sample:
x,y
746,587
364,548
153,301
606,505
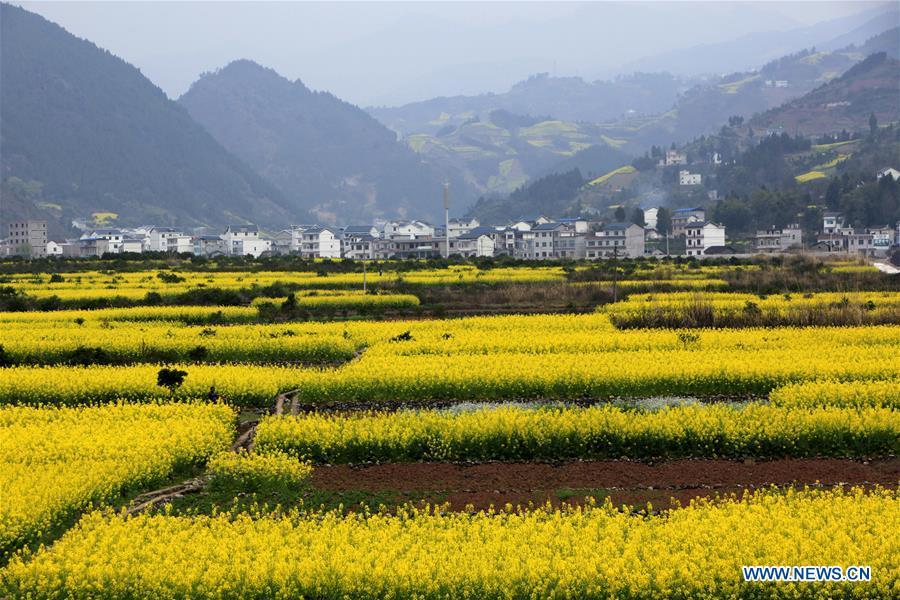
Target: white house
x,y
244,240
408,229
113,236
478,242
320,242
131,245
688,178
651,217
894,173
674,157
360,247
832,222
615,240
882,238
460,226
54,249
168,239
702,236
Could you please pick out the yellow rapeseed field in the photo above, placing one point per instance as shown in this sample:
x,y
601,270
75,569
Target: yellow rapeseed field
x,y
56,462
558,356
557,433
592,552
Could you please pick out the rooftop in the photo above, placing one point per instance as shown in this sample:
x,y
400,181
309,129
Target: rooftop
x,y
546,226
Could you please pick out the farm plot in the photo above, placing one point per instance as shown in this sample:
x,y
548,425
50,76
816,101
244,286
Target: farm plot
x,y
594,552
512,433
722,309
386,417
561,357
59,461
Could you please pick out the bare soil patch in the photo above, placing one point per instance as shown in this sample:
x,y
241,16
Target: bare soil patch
x,y
624,482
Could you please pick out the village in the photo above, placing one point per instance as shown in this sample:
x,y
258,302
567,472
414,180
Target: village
x,y
538,238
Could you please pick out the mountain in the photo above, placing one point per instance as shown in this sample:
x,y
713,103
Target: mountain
x,y
753,158
86,133
565,98
886,41
845,103
325,155
748,51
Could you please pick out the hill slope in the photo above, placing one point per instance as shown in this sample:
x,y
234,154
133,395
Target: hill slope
x,y
92,134
845,103
326,155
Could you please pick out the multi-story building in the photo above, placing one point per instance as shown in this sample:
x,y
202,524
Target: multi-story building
x,y
209,245
688,178
478,242
93,247
360,247
113,236
168,239
832,222
681,217
352,231
701,236
27,238
320,242
408,229
615,240
779,239
131,245
406,247
458,227
540,242
882,238
282,242
674,157
244,240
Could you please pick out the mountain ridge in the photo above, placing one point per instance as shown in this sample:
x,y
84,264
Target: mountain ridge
x,y
92,135
326,155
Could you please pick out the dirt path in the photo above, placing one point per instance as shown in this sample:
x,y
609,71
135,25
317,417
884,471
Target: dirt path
x,y
625,482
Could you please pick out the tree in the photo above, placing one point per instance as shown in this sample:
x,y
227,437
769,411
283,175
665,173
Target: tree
x,y
873,125
170,378
663,221
637,217
833,194
620,214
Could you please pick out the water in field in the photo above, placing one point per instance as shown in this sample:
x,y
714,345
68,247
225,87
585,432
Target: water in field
x,y
652,403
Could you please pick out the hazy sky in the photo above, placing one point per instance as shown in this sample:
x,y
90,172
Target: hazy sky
x,y
394,52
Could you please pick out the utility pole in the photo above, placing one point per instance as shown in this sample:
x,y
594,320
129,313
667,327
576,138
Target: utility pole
x,y
615,273
446,220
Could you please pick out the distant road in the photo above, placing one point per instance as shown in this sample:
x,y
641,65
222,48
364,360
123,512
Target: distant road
x,y
886,268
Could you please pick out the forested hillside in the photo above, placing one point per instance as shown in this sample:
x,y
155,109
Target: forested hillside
x,y
88,133
327,156
872,86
